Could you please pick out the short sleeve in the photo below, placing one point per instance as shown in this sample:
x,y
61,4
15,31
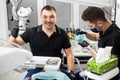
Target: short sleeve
x,y
26,35
65,40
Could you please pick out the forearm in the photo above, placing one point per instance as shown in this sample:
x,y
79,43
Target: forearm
x,y
12,39
70,62
92,52
16,40
92,36
70,66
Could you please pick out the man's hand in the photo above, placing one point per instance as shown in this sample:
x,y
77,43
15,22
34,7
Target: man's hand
x,y
15,31
79,31
80,38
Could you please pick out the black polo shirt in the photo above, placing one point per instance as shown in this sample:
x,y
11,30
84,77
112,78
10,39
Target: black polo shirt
x,y
42,45
116,47
107,38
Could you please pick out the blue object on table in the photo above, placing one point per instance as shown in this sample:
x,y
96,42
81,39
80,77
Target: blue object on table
x,y
80,38
50,75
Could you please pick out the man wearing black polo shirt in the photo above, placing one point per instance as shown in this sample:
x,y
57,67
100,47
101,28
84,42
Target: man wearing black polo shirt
x,y
116,47
95,17
46,39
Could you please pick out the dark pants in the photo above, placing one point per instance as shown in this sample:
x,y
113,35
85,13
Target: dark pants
x,y
78,76
31,72
115,78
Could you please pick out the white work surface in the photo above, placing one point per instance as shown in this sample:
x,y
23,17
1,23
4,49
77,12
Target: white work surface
x,y
78,50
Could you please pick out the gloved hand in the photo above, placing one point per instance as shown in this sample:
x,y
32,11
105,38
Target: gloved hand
x,y
15,31
80,38
71,75
79,31
84,44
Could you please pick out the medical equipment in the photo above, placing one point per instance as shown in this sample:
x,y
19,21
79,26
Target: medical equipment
x,y
21,15
47,63
14,57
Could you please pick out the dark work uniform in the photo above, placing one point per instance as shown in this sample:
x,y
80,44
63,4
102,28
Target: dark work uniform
x,y
42,45
116,47
107,39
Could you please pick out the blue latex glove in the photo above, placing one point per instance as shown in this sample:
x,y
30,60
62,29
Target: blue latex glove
x,y
80,38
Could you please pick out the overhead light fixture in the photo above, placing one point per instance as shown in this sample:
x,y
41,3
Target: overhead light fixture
x,y
98,3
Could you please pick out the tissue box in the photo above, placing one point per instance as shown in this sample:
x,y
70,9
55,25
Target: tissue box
x,y
100,68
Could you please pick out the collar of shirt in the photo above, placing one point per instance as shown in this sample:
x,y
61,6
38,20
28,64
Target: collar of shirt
x,y
56,31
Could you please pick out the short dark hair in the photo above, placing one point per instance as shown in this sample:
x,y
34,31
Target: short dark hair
x,y
48,7
93,14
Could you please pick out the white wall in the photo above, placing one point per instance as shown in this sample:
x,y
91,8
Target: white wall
x,y
40,4
118,14
3,20
76,17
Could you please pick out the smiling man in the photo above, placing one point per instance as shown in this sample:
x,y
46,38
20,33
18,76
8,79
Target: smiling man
x,y
46,39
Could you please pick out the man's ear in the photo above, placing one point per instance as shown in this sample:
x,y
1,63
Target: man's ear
x,y
99,23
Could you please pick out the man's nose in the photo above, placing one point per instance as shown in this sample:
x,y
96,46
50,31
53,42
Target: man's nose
x,y
48,19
